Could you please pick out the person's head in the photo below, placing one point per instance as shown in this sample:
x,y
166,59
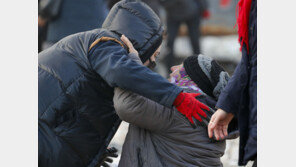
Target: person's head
x,y
138,22
205,72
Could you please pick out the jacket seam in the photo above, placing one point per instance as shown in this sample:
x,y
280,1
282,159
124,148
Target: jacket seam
x,y
104,39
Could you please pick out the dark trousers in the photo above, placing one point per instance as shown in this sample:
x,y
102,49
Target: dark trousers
x,y
173,29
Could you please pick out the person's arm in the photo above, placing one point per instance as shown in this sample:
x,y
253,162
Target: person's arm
x,y
140,111
112,63
230,96
228,103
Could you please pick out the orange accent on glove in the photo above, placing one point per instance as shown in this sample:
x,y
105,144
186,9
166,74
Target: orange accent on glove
x,y
189,106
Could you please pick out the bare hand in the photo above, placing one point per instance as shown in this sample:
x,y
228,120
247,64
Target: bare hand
x,y
128,43
219,124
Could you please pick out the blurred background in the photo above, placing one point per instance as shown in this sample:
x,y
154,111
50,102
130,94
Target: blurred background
x,y
206,28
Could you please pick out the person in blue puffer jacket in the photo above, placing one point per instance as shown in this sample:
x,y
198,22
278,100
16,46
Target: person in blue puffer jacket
x,y
76,80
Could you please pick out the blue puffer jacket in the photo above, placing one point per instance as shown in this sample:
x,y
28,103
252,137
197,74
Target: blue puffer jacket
x,y
240,95
76,78
76,16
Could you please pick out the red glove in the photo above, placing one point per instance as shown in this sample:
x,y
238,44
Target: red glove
x,y
189,106
206,14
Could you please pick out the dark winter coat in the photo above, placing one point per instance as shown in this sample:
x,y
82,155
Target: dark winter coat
x,y
240,94
159,136
76,76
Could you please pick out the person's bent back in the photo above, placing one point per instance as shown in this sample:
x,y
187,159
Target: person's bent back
x,y
160,136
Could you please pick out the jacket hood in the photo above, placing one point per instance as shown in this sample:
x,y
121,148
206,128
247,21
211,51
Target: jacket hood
x,y
138,22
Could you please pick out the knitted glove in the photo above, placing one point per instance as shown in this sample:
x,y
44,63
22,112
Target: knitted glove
x,y
189,106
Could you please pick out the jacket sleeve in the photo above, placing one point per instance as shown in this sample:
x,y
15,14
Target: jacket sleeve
x,y
230,97
112,63
140,111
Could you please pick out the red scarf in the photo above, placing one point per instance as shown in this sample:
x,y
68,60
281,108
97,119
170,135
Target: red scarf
x,y
242,21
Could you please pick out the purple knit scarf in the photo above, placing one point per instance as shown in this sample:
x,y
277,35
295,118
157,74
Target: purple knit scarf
x,y
182,80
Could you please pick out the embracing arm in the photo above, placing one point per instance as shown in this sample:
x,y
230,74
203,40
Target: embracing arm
x,y
112,63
